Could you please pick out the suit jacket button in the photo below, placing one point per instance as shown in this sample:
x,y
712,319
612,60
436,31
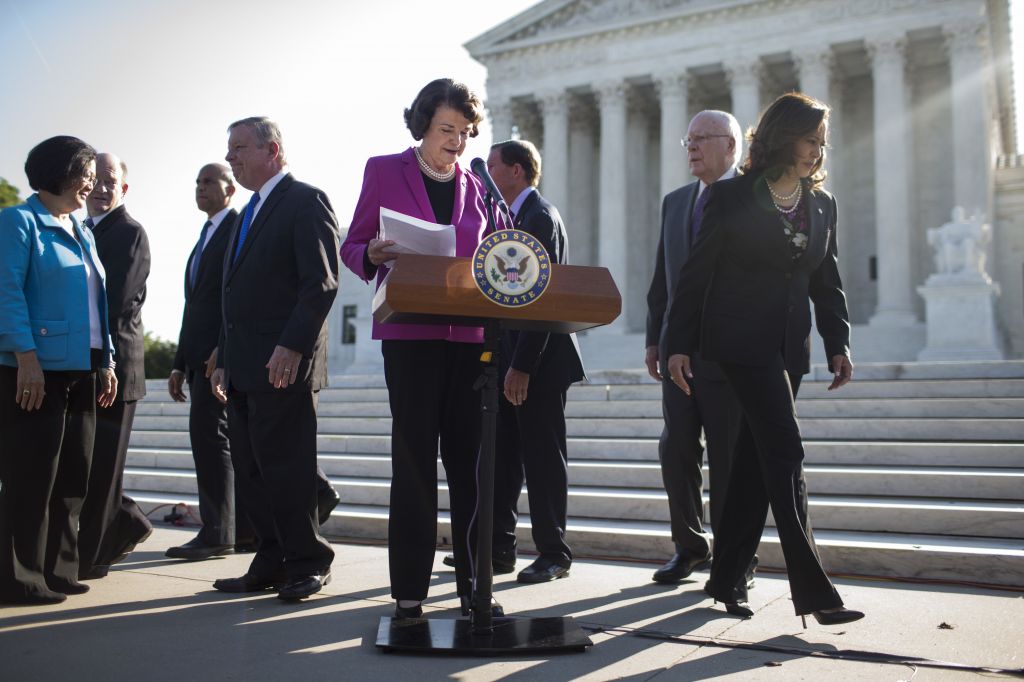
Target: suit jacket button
x,y
43,331
227,290
231,325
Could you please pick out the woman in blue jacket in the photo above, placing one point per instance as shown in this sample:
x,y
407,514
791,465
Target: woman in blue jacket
x,y
54,347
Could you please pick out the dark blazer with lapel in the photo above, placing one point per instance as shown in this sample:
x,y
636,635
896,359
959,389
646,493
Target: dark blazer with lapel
x,y
280,289
551,360
741,297
124,250
200,320
674,248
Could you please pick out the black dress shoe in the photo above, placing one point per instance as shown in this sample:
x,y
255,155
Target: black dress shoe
x,y
836,617
66,586
680,566
197,550
246,547
249,583
33,598
496,609
326,500
302,586
402,612
129,547
542,571
94,573
737,608
501,562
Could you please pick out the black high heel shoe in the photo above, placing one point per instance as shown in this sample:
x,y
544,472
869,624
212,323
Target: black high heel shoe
x,y
738,608
402,612
496,609
834,617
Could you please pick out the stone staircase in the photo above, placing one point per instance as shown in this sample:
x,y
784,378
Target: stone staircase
x,y
914,470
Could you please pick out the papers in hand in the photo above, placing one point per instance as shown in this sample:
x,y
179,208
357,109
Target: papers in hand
x,y
412,235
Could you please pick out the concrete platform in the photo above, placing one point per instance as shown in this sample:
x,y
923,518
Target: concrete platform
x,y
156,619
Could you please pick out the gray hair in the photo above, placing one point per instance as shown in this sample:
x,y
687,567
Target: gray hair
x,y
729,121
265,130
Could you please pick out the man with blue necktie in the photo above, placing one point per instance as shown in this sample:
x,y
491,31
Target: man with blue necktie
x,y
280,280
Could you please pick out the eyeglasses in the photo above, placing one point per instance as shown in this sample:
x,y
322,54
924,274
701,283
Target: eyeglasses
x,y
698,140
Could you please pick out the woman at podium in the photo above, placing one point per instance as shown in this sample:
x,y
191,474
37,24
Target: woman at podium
x,y
429,369
766,247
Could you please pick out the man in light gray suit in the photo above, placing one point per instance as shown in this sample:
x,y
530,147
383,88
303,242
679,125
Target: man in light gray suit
x,y
713,145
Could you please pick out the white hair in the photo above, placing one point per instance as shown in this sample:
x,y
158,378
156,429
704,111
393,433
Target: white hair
x,y
729,121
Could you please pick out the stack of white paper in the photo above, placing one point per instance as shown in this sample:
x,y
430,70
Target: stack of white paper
x,y
413,235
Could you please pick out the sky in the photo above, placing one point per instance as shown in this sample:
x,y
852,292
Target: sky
x,y
157,82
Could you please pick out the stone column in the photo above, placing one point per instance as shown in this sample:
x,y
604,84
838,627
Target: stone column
x,y
501,119
674,95
972,156
612,214
892,205
744,77
813,68
582,205
555,159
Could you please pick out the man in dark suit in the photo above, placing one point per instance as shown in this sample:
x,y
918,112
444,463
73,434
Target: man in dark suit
x,y
280,280
713,146
112,524
537,368
196,360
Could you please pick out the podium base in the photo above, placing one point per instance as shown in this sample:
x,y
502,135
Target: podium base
x,y
509,636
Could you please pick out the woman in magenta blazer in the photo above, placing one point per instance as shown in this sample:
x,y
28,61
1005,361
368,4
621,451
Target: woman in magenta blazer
x,y
429,369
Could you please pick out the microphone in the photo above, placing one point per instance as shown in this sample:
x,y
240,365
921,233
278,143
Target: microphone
x,y
480,169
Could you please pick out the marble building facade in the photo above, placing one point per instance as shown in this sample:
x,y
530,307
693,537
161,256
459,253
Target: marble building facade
x,y
922,122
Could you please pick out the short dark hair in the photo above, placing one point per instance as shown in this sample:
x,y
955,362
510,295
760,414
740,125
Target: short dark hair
x,y
525,154
54,164
772,143
443,91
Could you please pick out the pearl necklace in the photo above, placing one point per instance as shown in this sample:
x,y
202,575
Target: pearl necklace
x,y
789,197
430,172
796,195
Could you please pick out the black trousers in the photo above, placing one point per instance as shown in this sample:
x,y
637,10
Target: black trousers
x,y
530,442
273,450
215,475
768,470
713,411
430,389
44,470
111,521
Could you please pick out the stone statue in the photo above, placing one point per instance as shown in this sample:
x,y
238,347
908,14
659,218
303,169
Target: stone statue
x,y
960,246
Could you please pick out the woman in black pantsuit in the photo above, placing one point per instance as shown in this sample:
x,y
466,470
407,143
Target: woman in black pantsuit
x,y
767,245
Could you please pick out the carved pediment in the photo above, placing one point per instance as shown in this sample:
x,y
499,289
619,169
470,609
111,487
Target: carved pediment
x,y
594,14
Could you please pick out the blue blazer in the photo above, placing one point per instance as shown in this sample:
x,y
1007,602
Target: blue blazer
x,y
44,299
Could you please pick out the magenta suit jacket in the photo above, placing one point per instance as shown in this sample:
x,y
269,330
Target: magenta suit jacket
x,y
395,182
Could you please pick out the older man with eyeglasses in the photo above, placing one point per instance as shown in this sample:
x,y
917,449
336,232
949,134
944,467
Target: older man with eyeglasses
x,y
713,146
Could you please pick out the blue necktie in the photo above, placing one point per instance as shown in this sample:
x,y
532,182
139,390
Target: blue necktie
x,y
698,214
88,223
246,222
194,269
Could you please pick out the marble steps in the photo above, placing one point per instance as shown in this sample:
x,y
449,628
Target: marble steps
x,y
988,560
859,408
838,428
917,481
835,512
149,444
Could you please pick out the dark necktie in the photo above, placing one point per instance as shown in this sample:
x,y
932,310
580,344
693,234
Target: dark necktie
x,y
194,269
698,214
246,222
88,223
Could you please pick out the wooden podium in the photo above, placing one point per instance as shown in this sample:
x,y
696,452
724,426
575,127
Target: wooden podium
x,y
441,290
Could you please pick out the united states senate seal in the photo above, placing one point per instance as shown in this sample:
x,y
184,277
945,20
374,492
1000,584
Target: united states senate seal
x,y
512,268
